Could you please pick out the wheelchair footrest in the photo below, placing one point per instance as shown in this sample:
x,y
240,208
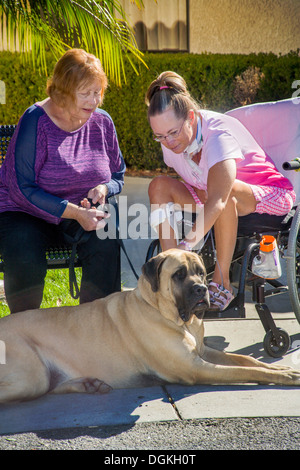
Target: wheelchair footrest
x,y
234,310
213,315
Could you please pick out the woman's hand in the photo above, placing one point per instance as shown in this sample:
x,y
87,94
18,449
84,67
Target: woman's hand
x,y
88,217
91,218
98,194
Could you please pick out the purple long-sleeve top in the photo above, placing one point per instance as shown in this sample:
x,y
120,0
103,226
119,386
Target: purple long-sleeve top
x,y
46,167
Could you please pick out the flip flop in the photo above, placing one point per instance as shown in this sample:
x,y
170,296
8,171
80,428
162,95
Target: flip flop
x,y
219,298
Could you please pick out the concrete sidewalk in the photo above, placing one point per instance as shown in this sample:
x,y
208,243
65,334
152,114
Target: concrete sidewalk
x,y
172,402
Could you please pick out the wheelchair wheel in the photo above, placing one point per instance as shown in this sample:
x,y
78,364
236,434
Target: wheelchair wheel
x,y
277,347
293,264
153,250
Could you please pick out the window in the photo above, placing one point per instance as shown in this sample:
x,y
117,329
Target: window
x,y
160,26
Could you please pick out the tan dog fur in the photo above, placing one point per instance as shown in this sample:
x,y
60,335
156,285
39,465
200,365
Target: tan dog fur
x,y
151,332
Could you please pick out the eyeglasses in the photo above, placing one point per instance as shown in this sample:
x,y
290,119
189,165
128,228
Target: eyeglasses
x,y
171,135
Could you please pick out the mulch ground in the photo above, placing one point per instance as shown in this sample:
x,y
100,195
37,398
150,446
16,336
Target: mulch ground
x,y
150,173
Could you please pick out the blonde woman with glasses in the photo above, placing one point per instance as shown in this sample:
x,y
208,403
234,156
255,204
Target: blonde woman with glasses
x,y
224,174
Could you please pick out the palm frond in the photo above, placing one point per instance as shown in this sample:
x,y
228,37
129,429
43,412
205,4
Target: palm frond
x,y
56,25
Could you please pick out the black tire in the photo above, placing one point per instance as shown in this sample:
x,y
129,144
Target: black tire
x,y
153,250
293,264
277,347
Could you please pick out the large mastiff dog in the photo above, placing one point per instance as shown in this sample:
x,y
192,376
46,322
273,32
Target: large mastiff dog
x,y
154,332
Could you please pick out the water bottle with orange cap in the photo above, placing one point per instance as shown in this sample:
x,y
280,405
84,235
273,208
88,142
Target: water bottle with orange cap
x,y
266,263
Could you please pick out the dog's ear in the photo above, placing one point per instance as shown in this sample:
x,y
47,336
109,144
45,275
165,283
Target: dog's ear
x,y
151,270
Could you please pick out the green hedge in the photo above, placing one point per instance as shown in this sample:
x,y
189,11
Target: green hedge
x,y
211,79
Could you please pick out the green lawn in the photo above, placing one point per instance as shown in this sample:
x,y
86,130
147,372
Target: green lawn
x,y
56,292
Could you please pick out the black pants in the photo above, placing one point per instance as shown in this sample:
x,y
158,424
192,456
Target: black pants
x,y
23,241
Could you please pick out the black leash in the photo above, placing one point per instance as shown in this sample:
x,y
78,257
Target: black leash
x,y
81,236
120,241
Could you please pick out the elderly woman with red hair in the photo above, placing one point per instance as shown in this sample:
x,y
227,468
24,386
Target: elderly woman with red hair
x,y
63,152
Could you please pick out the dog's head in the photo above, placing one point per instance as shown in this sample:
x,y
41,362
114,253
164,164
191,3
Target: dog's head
x,y
175,282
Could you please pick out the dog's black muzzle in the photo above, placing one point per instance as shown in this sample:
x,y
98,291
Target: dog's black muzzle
x,y
196,302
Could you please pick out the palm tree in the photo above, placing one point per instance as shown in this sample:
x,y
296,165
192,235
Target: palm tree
x,y
96,26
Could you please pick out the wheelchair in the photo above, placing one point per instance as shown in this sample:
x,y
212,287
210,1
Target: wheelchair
x,y
266,121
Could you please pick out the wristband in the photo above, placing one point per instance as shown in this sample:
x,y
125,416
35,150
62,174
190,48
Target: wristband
x,y
186,244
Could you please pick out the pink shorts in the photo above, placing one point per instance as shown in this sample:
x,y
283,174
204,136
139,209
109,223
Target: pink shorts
x,y
193,193
270,199
273,200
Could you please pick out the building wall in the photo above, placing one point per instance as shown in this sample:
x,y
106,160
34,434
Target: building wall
x,y
225,26
244,26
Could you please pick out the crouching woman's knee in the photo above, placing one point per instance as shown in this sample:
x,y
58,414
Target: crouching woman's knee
x,y
159,187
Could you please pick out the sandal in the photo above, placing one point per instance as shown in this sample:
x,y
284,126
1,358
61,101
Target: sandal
x,y
219,298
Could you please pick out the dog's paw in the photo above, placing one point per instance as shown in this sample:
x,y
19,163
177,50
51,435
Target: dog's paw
x,y
82,385
290,377
95,386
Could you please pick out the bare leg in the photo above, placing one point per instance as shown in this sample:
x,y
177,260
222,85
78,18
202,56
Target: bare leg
x,y
164,189
225,230
240,202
